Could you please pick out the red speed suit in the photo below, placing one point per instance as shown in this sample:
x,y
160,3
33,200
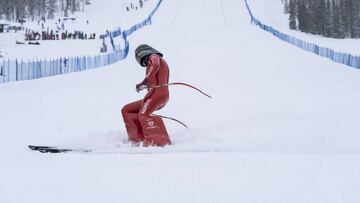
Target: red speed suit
x,y
140,124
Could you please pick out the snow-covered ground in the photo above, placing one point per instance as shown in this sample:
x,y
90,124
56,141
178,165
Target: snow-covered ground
x,y
271,12
282,126
102,16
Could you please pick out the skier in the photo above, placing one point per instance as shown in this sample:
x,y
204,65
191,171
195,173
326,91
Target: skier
x,y
140,123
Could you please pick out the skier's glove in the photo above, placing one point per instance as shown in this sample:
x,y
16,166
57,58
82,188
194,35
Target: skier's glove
x,y
141,86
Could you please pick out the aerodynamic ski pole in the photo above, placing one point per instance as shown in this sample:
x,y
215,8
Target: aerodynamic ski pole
x,y
181,83
173,119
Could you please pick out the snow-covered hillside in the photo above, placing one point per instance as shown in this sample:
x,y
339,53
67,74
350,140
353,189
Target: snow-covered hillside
x,y
98,18
271,13
282,126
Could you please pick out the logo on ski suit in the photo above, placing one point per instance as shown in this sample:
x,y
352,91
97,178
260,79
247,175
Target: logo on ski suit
x,y
151,124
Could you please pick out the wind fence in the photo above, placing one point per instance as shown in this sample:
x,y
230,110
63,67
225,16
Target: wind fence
x,y
17,70
338,57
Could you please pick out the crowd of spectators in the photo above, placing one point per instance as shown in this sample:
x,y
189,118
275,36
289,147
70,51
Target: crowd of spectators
x,y
135,7
35,35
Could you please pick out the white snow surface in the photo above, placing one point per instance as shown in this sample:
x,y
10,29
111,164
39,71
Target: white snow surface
x,y
282,125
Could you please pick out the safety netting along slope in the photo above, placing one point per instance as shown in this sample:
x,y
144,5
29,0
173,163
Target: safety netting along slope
x,y
18,70
338,57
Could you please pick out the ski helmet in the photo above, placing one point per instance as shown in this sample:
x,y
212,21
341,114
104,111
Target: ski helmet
x,y
143,51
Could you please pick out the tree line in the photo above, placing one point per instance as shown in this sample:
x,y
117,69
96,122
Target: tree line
x,y
38,9
329,18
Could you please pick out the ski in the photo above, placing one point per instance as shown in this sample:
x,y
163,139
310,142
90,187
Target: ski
x,y
37,147
121,149
54,149
62,150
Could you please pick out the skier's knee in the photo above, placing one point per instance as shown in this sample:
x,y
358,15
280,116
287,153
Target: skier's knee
x,y
124,110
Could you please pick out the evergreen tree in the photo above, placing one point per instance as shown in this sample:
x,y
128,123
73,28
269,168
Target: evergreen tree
x,y
339,26
293,14
315,17
20,10
32,9
304,16
2,7
327,19
356,20
320,16
51,7
9,9
286,6
330,18
37,9
346,8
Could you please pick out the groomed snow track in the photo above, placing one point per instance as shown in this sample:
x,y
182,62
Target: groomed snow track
x,y
287,120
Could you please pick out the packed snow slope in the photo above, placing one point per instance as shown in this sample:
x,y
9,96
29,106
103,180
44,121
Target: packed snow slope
x,y
282,126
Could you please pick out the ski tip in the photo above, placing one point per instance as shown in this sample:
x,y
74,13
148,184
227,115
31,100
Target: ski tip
x,y
37,147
